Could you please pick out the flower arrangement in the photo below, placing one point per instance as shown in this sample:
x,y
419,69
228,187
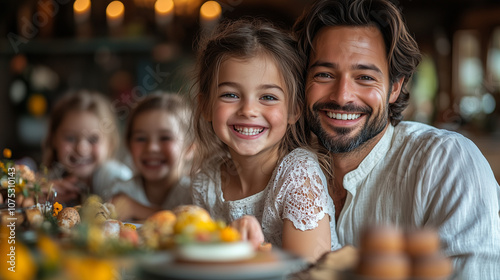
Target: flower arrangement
x,y
21,179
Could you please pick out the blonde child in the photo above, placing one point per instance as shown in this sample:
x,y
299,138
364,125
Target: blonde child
x,y
80,145
158,138
249,133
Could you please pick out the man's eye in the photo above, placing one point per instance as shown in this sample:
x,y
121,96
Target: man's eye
x,y
70,139
139,139
366,78
322,76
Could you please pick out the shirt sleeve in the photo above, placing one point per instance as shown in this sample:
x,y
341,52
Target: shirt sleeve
x,y
305,196
462,198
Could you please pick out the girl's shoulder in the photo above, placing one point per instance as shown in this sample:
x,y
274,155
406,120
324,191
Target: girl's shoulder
x,y
300,157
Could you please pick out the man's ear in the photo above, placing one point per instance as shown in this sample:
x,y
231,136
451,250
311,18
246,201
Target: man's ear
x,y
396,90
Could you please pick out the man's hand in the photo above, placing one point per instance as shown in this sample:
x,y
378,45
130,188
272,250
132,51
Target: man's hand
x,y
250,230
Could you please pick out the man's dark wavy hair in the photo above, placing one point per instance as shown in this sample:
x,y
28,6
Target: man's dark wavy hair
x,y
402,50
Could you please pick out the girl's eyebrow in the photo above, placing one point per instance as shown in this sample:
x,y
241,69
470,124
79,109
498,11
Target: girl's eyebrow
x,y
264,86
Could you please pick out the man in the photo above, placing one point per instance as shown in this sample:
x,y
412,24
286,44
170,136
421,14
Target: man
x,y
384,170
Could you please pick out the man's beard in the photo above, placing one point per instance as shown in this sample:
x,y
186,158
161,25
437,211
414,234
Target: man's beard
x,y
342,143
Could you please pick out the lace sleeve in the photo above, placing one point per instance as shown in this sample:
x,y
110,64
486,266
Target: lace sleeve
x,y
198,191
306,197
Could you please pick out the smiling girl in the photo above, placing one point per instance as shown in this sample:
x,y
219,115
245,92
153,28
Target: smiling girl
x,y
160,144
80,145
249,137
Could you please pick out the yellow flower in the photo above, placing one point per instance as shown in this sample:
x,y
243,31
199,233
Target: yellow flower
x,y
229,234
56,208
7,153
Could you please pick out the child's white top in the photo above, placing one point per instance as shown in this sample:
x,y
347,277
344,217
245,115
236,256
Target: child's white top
x,y
179,194
297,191
109,173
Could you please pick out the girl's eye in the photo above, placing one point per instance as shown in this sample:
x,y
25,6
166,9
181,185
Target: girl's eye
x,y
229,95
93,139
166,138
269,97
70,138
139,139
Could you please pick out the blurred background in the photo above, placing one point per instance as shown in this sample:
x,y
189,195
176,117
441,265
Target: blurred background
x,y
128,48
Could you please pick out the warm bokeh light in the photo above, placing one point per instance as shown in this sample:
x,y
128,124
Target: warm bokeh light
x,y
210,10
164,6
81,6
115,9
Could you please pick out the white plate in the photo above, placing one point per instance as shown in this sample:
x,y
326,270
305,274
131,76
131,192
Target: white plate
x,y
165,267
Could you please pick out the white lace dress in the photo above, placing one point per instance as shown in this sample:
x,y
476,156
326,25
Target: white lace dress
x,y
296,191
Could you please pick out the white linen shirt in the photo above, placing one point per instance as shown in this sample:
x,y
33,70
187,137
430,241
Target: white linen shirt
x,y
417,176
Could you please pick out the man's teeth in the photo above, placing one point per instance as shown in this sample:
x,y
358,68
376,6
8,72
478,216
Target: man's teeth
x,y
342,116
248,130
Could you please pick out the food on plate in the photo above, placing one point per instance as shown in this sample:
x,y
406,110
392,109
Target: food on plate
x,y
422,242
129,235
157,232
215,252
68,218
111,228
386,253
384,266
377,239
34,217
199,238
192,219
435,266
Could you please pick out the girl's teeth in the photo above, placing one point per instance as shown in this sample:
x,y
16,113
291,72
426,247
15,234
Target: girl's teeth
x,y
248,130
339,116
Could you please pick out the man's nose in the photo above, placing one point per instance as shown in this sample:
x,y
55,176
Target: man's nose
x,y
342,92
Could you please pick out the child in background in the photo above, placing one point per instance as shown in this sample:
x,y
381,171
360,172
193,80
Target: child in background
x,y
81,141
158,138
249,133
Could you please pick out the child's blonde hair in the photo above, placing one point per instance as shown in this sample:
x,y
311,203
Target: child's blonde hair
x,y
244,39
81,101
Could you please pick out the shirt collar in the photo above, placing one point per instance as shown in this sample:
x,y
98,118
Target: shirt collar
x,y
355,177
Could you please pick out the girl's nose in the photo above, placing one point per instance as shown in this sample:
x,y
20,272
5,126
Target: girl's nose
x,y
83,147
153,145
248,108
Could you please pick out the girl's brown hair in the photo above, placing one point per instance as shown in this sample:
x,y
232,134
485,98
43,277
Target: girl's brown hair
x,y
81,101
244,39
173,104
